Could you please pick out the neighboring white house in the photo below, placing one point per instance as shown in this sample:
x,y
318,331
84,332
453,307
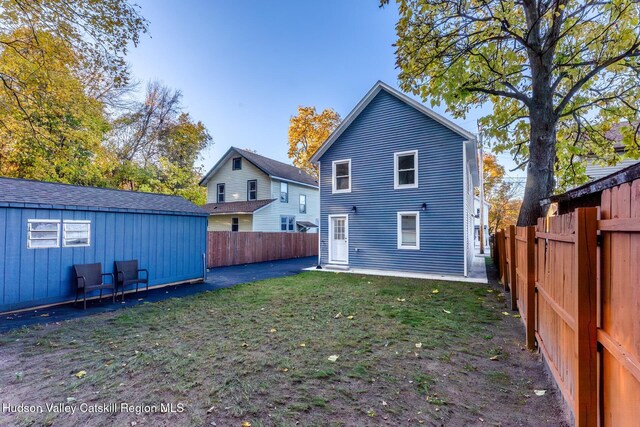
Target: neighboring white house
x,y
476,222
249,192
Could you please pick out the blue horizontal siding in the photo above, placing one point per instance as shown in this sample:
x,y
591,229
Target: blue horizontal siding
x,y
169,246
385,126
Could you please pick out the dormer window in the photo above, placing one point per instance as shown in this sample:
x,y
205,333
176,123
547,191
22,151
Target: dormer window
x,y
236,163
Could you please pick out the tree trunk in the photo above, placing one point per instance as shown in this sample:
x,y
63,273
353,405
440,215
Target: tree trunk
x,y
541,167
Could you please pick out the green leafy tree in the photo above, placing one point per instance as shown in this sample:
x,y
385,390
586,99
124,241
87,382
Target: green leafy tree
x,y
558,74
157,145
99,32
54,132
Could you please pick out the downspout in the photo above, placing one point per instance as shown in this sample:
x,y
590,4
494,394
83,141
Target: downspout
x,y
319,266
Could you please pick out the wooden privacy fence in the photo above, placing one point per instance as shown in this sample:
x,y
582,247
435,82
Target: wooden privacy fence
x,y
576,284
233,248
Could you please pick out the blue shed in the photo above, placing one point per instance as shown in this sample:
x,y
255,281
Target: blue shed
x,y
396,190
46,228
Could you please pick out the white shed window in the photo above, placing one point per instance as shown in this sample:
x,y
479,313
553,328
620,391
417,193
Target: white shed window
x,y
43,233
408,230
342,176
76,233
405,169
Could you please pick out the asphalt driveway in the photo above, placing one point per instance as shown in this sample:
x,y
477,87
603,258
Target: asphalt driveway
x,y
217,278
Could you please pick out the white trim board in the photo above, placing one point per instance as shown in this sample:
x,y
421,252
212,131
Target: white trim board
x,y
404,274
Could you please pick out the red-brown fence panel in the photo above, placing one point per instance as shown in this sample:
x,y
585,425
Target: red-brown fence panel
x,y
233,248
619,326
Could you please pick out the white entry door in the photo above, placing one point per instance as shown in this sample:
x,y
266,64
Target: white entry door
x,y
338,239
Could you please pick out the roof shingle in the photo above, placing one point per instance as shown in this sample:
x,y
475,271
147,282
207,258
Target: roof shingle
x,y
278,169
235,207
25,191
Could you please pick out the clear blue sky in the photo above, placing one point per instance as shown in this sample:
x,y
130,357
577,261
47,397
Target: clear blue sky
x,y
245,66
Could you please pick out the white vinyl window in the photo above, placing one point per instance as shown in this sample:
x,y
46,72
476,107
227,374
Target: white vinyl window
x,y
405,169
341,176
408,230
287,223
43,233
284,192
76,233
220,192
303,203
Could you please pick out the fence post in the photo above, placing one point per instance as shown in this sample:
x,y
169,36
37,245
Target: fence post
x,y
586,408
530,292
512,267
502,257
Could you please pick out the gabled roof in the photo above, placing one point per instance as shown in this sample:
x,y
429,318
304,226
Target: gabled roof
x,y
379,86
236,207
30,193
273,168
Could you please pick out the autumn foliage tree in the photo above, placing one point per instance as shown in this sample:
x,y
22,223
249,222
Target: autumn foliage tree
x,y
68,110
501,194
307,131
557,73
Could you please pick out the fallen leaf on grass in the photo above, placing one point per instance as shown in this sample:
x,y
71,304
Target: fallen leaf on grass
x,y
493,358
80,374
350,317
332,358
384,403
435,291
244,344
401,299
337,316
489,290
108,362
517,316
446,311
210,410
246,424
418,345
273,330
540,392
285,370
302,344
505,313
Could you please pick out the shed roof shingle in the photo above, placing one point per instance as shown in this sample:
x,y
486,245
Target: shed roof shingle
x,y
235,207
24,191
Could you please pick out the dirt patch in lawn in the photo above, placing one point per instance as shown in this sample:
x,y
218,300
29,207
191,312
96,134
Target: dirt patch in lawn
x,y
409,352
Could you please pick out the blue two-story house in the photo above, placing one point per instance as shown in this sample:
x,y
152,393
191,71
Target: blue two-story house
x,y
396,189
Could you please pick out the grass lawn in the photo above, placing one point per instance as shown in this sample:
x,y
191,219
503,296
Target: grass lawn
x,y
410,352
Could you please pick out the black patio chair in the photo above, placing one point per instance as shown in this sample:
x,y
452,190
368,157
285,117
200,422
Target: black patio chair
x,y
128,273
89,277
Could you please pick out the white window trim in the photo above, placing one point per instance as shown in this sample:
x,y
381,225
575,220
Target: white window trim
x,y
334,190
399,230
224,191
396,156
284,192
31,221
64,232
294,224
300,204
